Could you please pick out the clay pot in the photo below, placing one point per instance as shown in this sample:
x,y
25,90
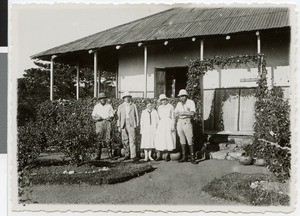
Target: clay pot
x,y
260,162
142,154
123,152
116,153
201,155
246,160
175,156
154,154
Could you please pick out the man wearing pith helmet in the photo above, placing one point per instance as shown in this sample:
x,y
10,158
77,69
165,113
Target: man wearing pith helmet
x,y
185,110
103,114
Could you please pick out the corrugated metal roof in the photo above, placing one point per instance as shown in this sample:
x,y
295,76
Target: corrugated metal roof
x,y
180,23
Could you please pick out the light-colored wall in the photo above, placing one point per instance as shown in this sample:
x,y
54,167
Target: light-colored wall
x,y
131,64
274,45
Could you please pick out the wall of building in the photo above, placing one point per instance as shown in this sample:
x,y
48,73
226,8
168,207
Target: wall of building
x,y
131,64
225,98
275,46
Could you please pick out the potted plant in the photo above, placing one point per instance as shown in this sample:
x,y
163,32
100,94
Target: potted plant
x,y
175,156
260,162
246,159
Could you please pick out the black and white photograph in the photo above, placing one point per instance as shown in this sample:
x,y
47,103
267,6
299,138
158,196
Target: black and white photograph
x,y
132,107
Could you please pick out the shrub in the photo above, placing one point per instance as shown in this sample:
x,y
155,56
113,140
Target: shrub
x,y
272,129
68,127
119,173
237,187
30,140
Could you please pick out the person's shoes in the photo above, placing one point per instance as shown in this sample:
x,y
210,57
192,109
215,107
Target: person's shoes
x,y
98,157
193,161
183,159
167,158
158,159
135,159
151,159
111,156
126,158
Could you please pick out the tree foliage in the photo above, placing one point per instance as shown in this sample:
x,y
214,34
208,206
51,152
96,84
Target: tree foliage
x,y
34,86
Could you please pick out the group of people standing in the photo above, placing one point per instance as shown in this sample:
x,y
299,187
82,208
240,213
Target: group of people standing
x,y
157,127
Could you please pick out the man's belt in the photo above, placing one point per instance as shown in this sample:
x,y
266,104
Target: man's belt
x,y
185,118
104,119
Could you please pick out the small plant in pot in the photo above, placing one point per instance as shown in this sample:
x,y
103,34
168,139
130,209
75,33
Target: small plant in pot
x,y
260,162
246,159
175,156
142,154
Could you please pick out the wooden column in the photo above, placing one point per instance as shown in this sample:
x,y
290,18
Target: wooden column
x,y
51,76
201,49
145,71
220,77
201,86
77,81
99,81
258,42
95,74
117,84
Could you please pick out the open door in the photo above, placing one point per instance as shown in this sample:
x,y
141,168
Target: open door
x,y
160,81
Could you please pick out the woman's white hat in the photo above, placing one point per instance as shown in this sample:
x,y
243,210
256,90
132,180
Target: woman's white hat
x,y
126,94
182,92
162,97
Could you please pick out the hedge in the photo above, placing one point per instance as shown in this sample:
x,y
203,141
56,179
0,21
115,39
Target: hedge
x,y
272,133
68,127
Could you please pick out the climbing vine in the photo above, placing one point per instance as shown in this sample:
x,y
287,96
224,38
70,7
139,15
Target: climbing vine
x,y
272,111
198,68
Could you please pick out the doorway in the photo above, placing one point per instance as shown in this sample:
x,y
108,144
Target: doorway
x,y
170,80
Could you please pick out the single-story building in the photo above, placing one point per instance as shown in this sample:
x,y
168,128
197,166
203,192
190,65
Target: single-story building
x,y
151,55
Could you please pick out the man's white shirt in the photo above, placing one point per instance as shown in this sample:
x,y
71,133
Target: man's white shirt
x,y
188,106
104,111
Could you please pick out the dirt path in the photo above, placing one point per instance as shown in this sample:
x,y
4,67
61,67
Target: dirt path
x,y
170,183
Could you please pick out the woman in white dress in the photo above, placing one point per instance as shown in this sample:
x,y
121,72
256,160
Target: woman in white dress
x,y
165,134
149,122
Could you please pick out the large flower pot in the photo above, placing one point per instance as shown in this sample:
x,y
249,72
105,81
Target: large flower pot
x,y
142,154
260,162
246,160
175,156
116,152
154,154
122,152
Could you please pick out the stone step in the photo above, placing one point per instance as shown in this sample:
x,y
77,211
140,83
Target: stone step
x,y
240,140
226,155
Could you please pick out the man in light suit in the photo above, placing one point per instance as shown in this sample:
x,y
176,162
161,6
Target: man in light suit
x,y
128,120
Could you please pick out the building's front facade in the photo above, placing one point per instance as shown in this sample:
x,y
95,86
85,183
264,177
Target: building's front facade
x,y
167,66
151,56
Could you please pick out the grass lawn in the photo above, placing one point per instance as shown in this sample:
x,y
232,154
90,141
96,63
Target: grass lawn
x,y
93,173
251,189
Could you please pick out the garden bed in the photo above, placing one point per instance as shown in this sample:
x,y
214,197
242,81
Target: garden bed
x,y
251,189
93,173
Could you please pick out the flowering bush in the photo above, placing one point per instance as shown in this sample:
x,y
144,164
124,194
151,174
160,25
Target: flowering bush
x,y
68,127
30,141
272,133
272,128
